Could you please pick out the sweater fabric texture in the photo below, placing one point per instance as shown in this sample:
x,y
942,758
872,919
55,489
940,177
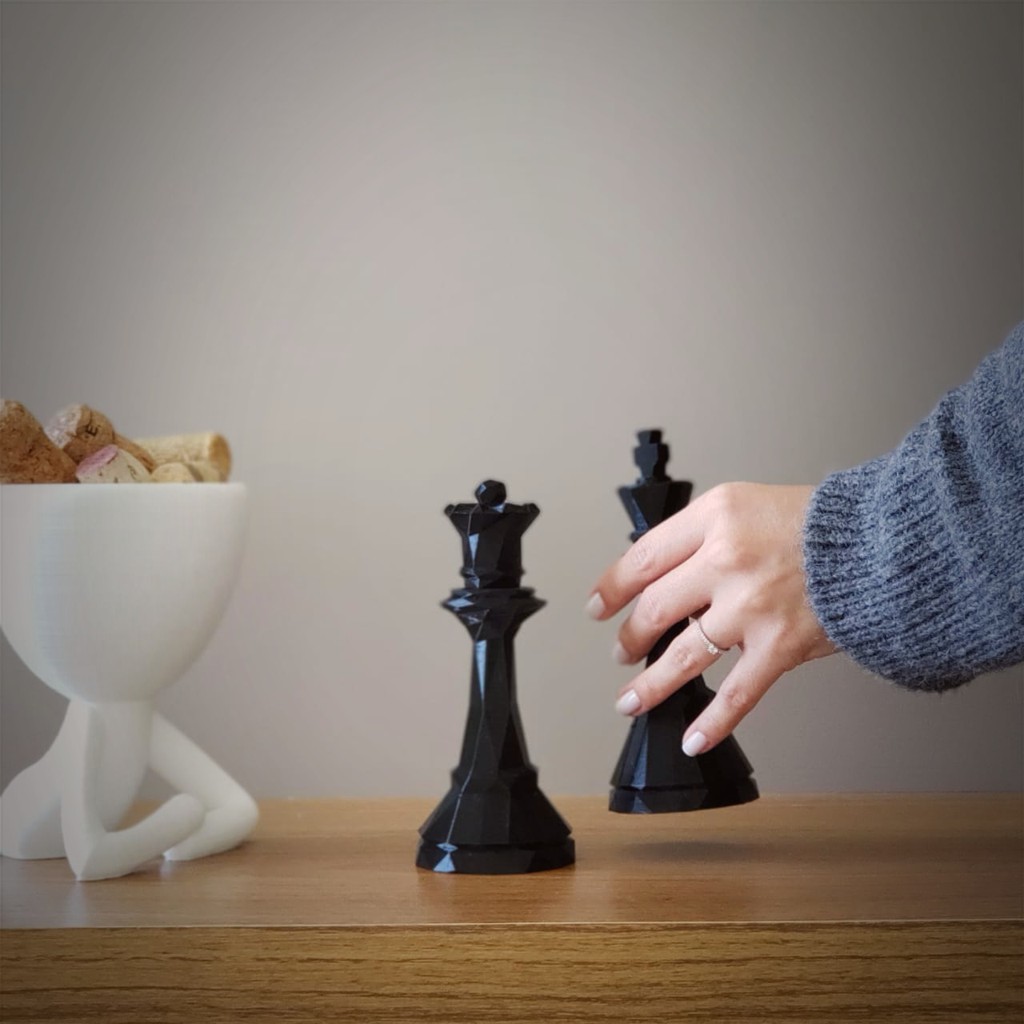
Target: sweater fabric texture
x,y
915,560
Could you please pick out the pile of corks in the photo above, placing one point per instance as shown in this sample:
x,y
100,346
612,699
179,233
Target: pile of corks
x,y
80,445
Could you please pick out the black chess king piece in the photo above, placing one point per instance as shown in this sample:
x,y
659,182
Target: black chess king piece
x,y
494,820
653,774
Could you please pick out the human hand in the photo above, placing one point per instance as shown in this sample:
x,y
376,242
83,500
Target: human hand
x,y
733,561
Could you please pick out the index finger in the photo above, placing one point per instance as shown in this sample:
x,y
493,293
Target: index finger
x,y
660,549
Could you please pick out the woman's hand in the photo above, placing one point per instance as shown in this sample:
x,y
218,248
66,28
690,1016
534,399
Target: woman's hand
x,y
733,562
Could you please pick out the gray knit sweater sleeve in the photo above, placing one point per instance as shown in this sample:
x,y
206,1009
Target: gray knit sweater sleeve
x,y
915,560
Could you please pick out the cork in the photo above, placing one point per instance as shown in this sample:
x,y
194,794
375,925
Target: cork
x,y
27,455
111,465
80,431
190,448
185,473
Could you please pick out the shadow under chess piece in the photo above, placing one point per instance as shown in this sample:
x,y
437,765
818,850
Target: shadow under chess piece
x,y
494,820
653,774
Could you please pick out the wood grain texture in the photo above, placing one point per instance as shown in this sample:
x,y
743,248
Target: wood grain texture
x,y
881,908
795,972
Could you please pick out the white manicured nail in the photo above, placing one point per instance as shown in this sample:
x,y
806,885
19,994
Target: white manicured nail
x,y
627,703
621,655
595,606
694,744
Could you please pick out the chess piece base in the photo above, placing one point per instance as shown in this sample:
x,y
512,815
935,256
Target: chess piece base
x,y
668,799
446,858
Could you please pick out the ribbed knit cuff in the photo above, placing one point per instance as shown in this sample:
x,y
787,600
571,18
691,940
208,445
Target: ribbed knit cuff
x,y
915,561
877,563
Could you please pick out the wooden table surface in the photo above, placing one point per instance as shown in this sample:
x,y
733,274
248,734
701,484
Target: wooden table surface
x,y
894,908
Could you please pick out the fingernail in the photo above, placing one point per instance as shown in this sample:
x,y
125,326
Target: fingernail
x,y
627,703
595,606
694,744
621,655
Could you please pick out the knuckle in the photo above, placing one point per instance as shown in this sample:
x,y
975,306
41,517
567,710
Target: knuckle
x,y
729,513
739,701
754,602
651,612
724,500
642,557
723,554
681,655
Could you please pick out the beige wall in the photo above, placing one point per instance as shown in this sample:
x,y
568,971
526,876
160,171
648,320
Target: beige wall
x,y
391,249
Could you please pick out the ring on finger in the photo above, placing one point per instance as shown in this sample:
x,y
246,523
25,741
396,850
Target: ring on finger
x,y
709,644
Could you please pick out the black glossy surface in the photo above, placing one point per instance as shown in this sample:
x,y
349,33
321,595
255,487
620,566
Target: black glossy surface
x,y
653,775
494,820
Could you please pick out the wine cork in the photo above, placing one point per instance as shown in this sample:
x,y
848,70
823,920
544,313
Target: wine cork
x,y
190,448
185,473
80,431
111,465
27,455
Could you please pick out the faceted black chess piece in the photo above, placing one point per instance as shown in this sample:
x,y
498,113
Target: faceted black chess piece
x,y
494,820
653,774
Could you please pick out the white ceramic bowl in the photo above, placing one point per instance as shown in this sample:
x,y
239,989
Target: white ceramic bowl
x,y
110,591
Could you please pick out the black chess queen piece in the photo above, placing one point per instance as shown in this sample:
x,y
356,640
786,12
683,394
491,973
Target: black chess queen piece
x,y
494,820
653,774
